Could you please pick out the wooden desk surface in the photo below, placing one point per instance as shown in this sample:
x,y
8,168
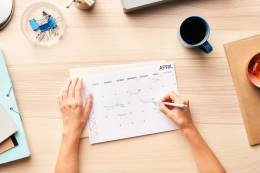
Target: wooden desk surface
x,y
106,35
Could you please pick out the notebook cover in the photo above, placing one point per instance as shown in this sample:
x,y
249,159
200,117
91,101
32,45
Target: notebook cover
x,y
8,144
239,53
8,100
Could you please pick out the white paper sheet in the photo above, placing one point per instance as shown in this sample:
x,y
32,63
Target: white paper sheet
x,y
123,102
7,126
99,70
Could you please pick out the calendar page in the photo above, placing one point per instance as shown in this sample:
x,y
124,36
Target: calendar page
x,y
125,102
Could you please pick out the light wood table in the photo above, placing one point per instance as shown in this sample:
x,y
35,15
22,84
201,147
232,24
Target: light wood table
x,y
106,35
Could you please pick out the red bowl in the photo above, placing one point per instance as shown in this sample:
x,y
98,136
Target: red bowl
x,y
254,70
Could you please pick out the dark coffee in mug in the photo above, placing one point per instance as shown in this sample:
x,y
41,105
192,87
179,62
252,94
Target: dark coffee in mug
x,y
193,30
194,33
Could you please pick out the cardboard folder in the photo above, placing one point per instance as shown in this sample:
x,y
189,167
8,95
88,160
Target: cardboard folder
x,y
8,100
239,53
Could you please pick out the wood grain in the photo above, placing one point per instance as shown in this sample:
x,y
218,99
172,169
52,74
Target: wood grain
x,y
105,35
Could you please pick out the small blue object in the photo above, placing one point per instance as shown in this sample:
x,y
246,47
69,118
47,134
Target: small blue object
x,y
51,24
33,24
44,27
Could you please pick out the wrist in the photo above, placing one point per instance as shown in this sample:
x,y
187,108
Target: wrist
x,y
69,146
70,140
71,136
190,130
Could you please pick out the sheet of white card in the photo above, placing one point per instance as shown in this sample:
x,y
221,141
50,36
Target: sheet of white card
x,y
97,70
7,126
123,102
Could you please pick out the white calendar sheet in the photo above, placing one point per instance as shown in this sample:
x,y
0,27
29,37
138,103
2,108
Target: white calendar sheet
x,y
124,102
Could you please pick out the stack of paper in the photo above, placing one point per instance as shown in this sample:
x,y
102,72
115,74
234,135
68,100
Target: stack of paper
x,y
124,99
7,129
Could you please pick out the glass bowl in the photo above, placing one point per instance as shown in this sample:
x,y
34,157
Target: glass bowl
x,y
42,33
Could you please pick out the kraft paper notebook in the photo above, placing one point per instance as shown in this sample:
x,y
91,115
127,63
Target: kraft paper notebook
x,y
8,144
239,54
8,100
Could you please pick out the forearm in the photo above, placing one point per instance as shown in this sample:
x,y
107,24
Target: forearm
x,y
205,159
68,159
74,111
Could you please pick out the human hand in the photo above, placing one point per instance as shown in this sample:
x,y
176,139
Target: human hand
x,y
180,116
74,110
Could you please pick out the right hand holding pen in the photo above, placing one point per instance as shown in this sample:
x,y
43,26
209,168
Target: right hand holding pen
x,y
180,116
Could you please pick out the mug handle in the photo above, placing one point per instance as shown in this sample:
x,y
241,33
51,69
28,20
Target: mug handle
x,y
206,47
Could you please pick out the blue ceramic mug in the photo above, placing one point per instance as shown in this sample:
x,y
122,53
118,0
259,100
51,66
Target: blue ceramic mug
x,y
194,33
